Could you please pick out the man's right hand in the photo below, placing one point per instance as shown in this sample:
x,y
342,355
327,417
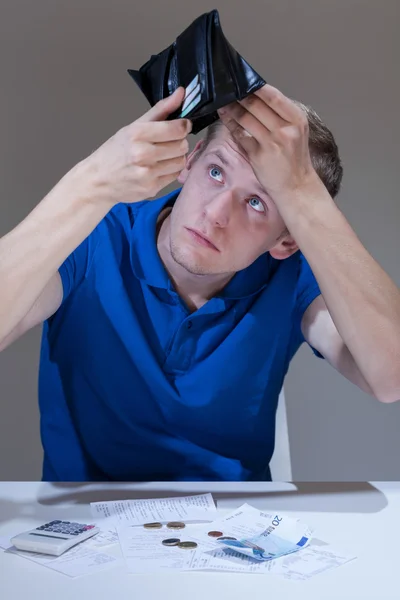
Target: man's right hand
x,y
141,158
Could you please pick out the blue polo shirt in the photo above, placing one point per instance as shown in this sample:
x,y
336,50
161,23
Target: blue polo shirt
x,y
134,387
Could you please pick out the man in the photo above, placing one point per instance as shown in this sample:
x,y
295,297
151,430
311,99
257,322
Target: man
x,y
169,325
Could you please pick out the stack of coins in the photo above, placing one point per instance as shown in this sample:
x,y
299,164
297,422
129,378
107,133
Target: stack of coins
x,y
177,525
172,541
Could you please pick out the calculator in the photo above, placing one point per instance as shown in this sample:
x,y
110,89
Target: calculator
x,y
54,537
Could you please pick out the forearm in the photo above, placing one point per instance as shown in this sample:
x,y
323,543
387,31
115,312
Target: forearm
x,y
363,301
34,250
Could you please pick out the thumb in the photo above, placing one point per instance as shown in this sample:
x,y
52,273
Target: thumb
x,y
164,107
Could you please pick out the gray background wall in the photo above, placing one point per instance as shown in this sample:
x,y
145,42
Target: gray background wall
x,y
64,90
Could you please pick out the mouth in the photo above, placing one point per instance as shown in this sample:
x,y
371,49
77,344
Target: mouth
x,y
201,239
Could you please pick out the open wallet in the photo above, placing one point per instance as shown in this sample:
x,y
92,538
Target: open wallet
x,y
202,61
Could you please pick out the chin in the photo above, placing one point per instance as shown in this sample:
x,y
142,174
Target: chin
x,y
190,263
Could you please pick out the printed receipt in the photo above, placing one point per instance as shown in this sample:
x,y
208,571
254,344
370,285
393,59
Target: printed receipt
x,y
144,552
137,512
302,565
79,560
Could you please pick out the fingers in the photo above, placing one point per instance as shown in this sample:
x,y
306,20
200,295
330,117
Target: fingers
x,y
147,154
167,179
172,165
164,131
164,107
279,103
239,134
262,112
168,150
242,117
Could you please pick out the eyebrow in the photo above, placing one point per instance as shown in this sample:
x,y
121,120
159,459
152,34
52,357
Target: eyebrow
x,y
225,162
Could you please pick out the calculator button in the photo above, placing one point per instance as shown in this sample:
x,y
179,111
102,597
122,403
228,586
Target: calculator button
x,y
74,533
41,527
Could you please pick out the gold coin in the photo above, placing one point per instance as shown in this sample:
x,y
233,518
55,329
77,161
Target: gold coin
x,y
171,542
176,525
187,545
152,525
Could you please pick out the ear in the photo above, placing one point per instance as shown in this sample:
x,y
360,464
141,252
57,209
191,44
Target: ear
x,y
183,175
285,248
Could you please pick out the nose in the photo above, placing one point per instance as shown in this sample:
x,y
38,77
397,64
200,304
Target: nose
x,y
219,210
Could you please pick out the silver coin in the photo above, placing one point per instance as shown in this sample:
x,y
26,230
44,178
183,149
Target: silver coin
x,y
176,525
226,537
187,545
152,525
171,542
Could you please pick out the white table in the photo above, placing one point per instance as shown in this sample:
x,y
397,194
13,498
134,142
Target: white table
x,y
358,518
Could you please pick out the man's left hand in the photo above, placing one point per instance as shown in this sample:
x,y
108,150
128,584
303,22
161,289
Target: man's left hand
x,y
273,132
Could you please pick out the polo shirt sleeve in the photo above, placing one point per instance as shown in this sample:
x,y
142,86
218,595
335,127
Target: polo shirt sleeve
x,y
306,291
76,266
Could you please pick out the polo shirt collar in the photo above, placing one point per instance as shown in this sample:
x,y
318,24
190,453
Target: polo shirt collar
x,y
145,259
147,264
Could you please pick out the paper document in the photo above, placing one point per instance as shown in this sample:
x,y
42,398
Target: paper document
x,y
260,535
103,538
138,512
299,566
246,540
5,541
144,552
77,561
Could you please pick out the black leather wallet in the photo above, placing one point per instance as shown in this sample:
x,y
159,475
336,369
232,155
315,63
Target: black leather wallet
x,y
203,61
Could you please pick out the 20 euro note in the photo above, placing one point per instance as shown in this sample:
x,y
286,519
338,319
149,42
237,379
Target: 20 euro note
x,y
261,535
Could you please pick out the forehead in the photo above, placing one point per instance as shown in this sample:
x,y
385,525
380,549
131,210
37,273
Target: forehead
x,y
223,137
231,150
233,158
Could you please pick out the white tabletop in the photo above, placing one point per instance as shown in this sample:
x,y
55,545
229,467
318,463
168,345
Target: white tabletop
x,y
358,518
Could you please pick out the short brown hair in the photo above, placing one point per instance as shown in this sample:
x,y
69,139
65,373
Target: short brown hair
x,y
324,151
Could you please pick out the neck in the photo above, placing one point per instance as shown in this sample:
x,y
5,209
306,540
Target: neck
x,y
195,290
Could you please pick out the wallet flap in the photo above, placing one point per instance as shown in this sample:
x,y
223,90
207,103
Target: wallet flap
x,y
152,77
193,62
246,78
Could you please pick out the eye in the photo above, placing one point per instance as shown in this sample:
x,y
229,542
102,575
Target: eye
x,y
257,204
213,170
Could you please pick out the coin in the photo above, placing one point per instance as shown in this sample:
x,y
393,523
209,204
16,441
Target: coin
x,y
176,525
226,537
152,525
187,545
215,533
171,542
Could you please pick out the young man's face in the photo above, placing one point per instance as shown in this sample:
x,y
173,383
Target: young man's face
x,y
225,203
